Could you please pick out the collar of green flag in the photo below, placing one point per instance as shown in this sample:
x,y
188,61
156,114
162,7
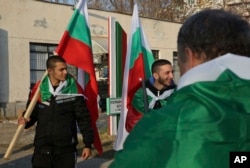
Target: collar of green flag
x,y
211,70
68,86
155,98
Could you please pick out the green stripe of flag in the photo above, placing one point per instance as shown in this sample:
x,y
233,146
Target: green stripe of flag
x,y
137,48
121,45
78,28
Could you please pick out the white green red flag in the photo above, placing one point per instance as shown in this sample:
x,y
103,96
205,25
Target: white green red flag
x,y
76,48
139,59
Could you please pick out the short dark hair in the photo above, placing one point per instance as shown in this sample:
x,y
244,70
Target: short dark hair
x,y
158,63
52,60
214,32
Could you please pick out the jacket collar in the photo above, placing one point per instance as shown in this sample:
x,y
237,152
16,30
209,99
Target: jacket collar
x,y
211,70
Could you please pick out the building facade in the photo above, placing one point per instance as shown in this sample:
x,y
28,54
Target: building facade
x,y
30,31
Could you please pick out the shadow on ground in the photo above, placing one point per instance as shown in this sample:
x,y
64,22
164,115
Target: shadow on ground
x,y
21,156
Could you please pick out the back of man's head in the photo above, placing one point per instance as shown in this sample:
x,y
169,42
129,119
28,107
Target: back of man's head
x,y
214,33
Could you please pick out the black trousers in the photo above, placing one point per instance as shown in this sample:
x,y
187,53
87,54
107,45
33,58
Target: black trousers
x,y
57,160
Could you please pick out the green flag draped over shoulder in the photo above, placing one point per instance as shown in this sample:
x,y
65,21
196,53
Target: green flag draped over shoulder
x,y
69,86
207,118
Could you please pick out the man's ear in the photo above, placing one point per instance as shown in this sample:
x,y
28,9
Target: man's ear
x,y
193,58
155,75
189,57
49,70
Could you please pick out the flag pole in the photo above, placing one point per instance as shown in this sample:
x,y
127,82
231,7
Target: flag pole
x,y
26,116
145,97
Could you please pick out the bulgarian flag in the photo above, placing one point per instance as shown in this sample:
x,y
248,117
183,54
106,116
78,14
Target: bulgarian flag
x,y
76,48
138,63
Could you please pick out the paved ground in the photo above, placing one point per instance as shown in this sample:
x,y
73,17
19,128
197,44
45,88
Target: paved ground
x,y
23,150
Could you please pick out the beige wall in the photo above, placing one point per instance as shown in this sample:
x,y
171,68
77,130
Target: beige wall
x,y
25,21
161,35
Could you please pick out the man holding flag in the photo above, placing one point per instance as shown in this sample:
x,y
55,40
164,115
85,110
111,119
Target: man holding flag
x,y
59,109
156,91
75,48
208,116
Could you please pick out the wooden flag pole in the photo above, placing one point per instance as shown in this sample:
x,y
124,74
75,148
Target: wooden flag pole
x,y
26,116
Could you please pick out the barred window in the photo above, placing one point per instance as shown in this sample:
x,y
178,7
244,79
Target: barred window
x,y
39,53
176,67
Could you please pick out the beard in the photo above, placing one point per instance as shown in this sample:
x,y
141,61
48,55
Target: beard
x,y
163,81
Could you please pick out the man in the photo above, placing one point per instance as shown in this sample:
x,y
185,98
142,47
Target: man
x,y
157,89
60,108
209,115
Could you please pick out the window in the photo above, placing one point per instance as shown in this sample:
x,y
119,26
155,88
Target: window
x,y
176,67
155,54
39,53
38,56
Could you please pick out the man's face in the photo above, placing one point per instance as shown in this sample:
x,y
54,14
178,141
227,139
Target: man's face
x,y
165,75
58,73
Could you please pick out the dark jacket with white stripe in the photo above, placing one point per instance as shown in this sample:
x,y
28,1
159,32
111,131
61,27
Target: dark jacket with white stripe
x,y
57,121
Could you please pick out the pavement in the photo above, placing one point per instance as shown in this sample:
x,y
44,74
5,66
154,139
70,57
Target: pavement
x,y
23,150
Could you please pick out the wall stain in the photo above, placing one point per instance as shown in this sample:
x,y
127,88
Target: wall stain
x,y
41,23
157,30
97,30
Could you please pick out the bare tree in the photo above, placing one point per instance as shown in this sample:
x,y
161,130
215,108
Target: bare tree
x,y
172,10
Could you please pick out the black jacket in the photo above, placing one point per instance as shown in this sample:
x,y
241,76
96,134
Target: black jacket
x,y
57,121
